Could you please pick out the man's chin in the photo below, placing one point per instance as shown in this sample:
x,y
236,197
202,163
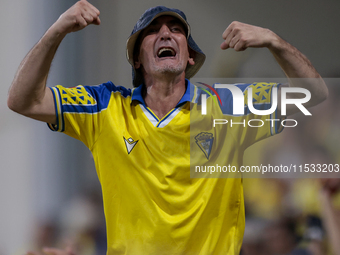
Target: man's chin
x,y
171,69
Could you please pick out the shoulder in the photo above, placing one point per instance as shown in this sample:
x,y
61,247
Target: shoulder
x,y
108,88
92,99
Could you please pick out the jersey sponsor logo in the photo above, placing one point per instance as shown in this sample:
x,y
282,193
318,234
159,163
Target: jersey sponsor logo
x,y
205,141
130,144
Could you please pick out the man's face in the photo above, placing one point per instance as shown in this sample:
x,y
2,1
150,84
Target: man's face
x,y
164,48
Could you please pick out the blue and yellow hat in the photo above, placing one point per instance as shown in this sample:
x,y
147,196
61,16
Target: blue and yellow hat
x,y
144,21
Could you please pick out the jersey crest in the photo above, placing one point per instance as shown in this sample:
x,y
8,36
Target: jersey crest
x,y
205,141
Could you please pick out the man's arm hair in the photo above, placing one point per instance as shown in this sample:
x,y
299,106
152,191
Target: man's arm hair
x,y
28,94
300,73
295,65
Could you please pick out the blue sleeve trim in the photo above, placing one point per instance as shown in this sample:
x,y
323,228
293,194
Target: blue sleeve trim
x,y
58,112
82,108
83,99
102,94
54,128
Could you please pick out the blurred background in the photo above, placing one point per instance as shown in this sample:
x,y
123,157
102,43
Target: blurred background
x,y
49,191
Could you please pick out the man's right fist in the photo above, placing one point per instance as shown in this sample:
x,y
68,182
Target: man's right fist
x,y
80,15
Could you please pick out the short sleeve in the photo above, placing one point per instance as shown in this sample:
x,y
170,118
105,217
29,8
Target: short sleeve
x,y
249,128
258,127
80,110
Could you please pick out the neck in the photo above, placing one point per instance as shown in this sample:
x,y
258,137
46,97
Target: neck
x,y
162,95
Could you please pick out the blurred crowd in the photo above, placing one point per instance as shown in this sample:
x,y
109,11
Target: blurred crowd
x,y
78,229
297,231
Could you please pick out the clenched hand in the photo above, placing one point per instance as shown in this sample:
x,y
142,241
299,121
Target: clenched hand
x,y
77,17
241,36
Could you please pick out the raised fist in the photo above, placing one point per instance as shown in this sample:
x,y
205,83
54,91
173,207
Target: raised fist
x,y
77,17
241,36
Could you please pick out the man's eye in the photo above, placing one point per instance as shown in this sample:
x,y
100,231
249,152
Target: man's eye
x,y
176,29
152,30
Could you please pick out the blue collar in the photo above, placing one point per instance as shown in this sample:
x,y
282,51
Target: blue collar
x,y
137,94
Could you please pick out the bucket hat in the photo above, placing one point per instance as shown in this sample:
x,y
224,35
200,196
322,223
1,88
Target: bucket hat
x,y
144,21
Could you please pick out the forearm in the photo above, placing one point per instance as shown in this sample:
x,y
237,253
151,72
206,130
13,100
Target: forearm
x,y
28,94
29,84
241,36
299,70
291,60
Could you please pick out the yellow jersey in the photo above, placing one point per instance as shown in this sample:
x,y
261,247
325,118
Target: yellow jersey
x,y
151,204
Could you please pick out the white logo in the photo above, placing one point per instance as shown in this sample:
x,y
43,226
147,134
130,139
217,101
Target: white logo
x,y
130,144
238,100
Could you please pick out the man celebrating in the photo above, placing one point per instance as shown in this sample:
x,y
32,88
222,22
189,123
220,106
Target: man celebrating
x,y
140,138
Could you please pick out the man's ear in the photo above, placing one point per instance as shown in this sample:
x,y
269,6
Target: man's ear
x,y
136,52
192,55
137,63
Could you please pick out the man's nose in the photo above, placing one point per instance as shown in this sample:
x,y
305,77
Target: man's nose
x,y
165,33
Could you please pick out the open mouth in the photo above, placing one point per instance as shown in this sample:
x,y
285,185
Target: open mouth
x,y
166,52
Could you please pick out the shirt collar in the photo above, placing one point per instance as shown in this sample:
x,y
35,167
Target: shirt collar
x,y
137,94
